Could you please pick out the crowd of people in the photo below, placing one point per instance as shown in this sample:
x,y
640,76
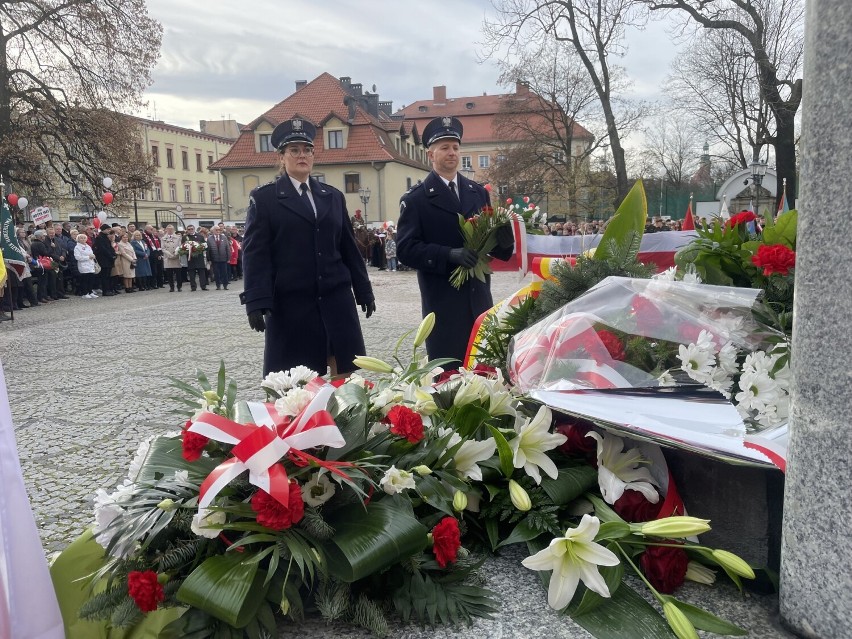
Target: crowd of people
x,y
89,260
655,225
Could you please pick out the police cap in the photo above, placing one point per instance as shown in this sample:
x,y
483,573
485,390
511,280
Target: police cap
x,y
295,130
440,128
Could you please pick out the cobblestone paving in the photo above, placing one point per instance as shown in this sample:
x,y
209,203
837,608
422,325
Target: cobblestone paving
x,y
87,381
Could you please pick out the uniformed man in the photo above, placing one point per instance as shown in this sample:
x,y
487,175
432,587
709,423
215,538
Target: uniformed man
x,y
301,264
429,240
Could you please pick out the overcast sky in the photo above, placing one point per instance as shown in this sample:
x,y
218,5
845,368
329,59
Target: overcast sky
x,y
237,59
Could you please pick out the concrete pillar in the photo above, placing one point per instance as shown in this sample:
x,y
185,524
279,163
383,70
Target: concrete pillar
x,y
816,555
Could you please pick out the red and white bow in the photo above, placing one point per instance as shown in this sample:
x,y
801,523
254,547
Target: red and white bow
x,y
260,446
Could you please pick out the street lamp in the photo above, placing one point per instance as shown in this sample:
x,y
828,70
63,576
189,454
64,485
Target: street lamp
x,y
364,194
758,170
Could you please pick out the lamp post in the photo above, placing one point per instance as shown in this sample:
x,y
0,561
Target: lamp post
x,y
364,194
758,170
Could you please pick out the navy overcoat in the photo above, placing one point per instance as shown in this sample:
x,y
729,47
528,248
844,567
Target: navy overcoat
x,y
428,228
304,269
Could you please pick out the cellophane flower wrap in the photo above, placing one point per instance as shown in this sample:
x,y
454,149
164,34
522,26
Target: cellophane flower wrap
x,y
658,348
480,235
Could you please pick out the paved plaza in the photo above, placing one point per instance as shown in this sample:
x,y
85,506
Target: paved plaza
x,y
87,381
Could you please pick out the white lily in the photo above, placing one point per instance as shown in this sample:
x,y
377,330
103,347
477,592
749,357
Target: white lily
x,y
501,401
474,388
573,557
420,401
533,441
471,453
619,471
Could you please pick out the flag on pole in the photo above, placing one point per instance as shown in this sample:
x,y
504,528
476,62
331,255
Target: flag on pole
x,y
724,213
783,205
688,220
13,255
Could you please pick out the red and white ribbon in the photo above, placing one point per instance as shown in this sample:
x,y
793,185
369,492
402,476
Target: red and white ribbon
x,y
260,446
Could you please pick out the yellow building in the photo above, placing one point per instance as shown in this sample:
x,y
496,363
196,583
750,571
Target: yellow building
x,y
359,148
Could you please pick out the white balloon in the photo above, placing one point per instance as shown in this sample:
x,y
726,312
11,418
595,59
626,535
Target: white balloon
x,y
22,202
107,182
102,216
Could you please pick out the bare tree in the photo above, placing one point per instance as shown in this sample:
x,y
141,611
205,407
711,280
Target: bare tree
x,y
671,146
546,142
772,34
67,67
595,29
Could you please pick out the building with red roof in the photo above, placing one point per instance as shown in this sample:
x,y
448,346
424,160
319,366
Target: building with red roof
x,y
360,148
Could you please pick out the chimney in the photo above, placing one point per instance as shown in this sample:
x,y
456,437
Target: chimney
x,y
345,81
439,95
356,89
371,104
386,107
301,84
521,87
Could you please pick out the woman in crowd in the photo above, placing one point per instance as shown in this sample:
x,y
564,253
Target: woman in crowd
x,y
126,262
104,249
25,288
390,251
235,256
170,243
143,262
39,249
85,260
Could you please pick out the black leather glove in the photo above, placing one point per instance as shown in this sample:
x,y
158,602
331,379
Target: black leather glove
x,y
257,320
505,238
369,308
463,257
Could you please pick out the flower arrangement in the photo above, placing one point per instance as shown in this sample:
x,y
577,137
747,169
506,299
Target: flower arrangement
x,y
191,247
480,235
530,213
366,500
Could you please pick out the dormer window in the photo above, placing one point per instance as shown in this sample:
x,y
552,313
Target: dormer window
x,y
422,108
469,105
335,139
265,140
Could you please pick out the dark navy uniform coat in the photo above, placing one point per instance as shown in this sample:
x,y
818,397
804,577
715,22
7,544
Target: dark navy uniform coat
x,y
428,228
304,269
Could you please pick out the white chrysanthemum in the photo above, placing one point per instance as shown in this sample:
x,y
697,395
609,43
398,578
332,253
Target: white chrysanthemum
x,y
395,481
278,381
301,375
109,506
720,381
727,356
139,458
294,402
666,379
729,325
317,490
758,362
208,523
696,361
758,391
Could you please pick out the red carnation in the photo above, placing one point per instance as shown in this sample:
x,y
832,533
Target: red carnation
x,y
192,443
483,370
774,258
445,376
741,218
406,423
577,442
446,541
633,506
612,344
647,315
665,567
145,590
273,514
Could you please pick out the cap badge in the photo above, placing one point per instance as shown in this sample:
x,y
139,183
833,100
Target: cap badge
x,y
297,125
447,122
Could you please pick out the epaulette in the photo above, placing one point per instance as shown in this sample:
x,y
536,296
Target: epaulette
x,y
412,189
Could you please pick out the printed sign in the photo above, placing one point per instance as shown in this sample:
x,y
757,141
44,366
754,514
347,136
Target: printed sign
x,y
41,215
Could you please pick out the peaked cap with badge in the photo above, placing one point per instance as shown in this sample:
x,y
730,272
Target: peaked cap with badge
x,y
293,130
442,128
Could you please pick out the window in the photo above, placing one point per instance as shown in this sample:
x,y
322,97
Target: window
x,y
187,193
201,194
319,177
155,155
335,139
184,158
500,158
265,140
504,189
484,161
170,159
158,192
466,162
213,198
559,156
141,194
209,161
422,108
352,182
172,192
198,162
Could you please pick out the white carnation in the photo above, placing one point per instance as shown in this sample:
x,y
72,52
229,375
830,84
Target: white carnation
x,y
108,507
278,381
396,480
301,375
139,458
317,490
294,402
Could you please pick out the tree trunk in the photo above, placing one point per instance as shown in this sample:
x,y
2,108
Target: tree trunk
x,y
785,155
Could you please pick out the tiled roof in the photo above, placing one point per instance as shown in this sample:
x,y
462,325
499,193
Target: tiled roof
x,y
157,124
368,138
477,115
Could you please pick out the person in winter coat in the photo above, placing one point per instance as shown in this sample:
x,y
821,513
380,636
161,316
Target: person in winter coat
x,y
85,260
170,243
219,253
144,273
195,263
125,264
105,255
301,265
